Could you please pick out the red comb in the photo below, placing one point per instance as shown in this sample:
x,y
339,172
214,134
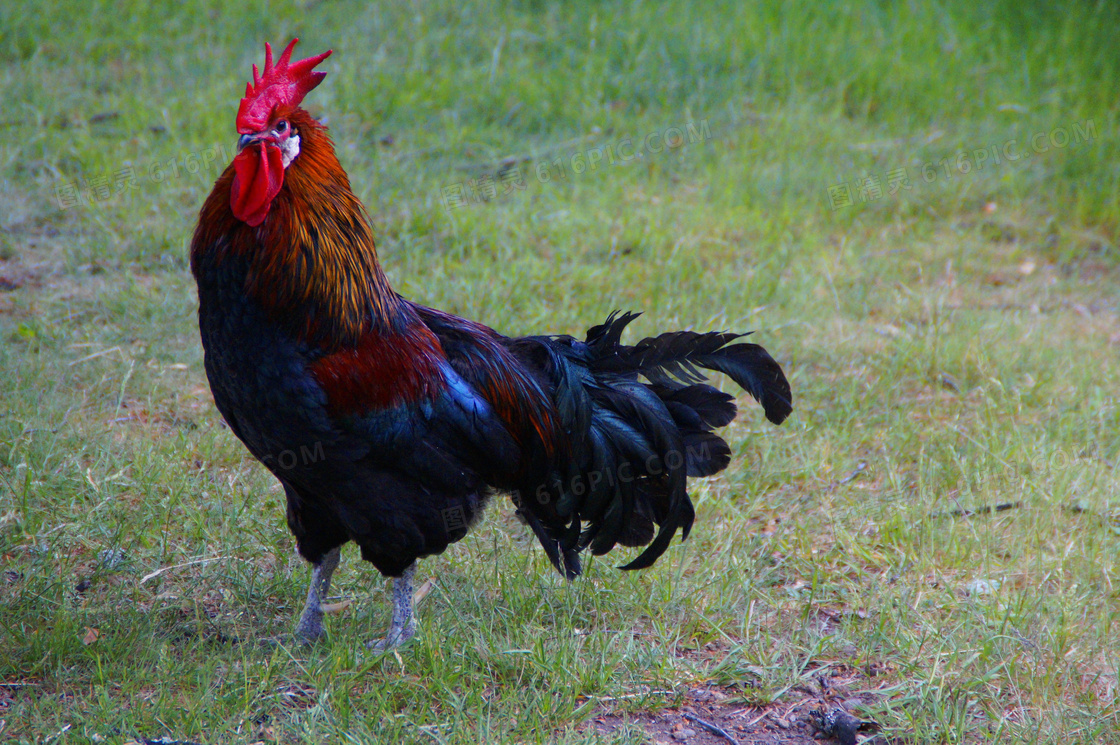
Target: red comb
x,y
280,84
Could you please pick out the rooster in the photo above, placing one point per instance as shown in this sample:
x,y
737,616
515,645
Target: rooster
x,y
390,424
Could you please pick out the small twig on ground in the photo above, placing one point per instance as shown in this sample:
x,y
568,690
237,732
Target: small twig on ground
x,y
860,468
95,355
834,485
625,696
432,730
898,575
987,510
156,573
1022,639
715,729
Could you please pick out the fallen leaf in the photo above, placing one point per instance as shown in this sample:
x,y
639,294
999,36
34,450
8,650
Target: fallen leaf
x,y
423,590
91,636
979,587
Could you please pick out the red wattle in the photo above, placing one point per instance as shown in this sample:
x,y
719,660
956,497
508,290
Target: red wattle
x,y
258,174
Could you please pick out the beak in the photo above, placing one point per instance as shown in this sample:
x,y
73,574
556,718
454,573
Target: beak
x,y
268,138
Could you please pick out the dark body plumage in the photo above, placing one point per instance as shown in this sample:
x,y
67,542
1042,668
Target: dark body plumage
x,y
390,424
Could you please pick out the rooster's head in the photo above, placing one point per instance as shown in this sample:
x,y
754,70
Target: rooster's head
x,y
269,143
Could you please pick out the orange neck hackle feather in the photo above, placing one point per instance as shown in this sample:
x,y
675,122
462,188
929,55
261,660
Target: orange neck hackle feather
x,y
312,264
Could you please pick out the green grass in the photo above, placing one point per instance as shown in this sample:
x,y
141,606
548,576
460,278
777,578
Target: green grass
x,y
959,338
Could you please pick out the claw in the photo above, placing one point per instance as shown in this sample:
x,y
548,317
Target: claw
x,y
393,639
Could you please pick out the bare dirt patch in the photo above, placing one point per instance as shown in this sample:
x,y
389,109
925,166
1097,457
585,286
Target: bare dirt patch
x,y
708,716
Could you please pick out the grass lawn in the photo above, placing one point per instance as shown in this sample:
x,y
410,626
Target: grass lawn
x,y
914,205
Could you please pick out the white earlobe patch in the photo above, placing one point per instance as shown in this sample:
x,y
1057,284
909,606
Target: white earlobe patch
x,y
289,150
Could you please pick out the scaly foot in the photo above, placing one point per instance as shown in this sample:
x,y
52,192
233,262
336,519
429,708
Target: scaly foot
x,y
310,626
403,626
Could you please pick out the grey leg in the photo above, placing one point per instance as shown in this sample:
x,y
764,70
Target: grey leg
x,y
403,626
310,626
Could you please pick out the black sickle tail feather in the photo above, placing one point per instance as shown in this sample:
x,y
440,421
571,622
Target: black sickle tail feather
x,y
566,560
669,362
634,442
677,354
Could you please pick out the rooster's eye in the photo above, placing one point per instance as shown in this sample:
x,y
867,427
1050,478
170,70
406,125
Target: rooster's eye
x,y
282,126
